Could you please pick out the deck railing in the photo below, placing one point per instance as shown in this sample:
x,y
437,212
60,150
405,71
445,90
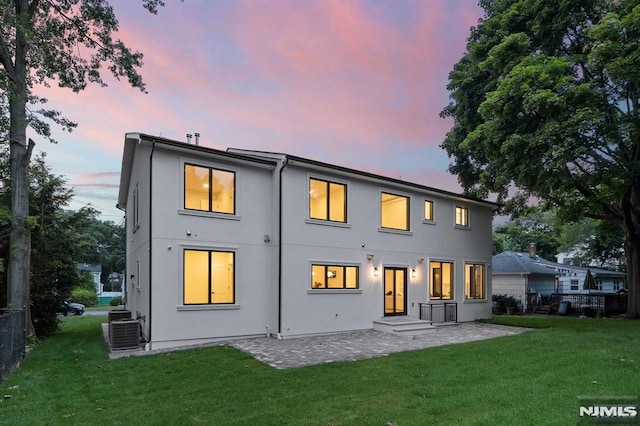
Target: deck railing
x,y
598,304
439,312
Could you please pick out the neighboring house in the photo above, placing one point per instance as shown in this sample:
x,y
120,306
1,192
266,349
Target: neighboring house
x,y
519,274
104,293
226,244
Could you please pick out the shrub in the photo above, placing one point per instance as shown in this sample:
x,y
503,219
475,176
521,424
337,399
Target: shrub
x,y
501,302
85,296
116,301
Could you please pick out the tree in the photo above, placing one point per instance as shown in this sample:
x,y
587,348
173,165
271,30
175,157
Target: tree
x,y
536,226
545,104
43,41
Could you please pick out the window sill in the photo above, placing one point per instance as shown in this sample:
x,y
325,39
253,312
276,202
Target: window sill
x,y
207,307
428,222
327,223
334,291
462,228
475,300
208,214
395,231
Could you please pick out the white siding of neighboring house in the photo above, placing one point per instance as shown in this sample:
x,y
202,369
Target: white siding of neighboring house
x,y
510,285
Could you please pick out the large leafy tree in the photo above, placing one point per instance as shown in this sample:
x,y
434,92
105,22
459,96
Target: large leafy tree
x,y
545,104
66,42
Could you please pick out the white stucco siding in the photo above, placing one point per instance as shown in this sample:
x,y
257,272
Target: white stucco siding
x,y
243,233
306,241
137,234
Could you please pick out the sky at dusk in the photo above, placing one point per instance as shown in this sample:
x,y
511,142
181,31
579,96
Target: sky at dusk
x,y
359,83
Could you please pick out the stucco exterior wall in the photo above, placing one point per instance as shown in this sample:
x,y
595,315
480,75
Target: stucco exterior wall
x,y
306,241
175,229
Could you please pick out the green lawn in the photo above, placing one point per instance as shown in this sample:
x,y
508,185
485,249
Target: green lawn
x,y
532,378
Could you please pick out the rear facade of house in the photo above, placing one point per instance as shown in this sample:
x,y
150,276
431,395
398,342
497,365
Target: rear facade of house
x,y
229,244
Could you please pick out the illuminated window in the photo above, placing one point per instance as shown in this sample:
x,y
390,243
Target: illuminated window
x,y
209,190
334,276
462,216
441,280
394,213
474,281
428,210
327,200
209,277
136,209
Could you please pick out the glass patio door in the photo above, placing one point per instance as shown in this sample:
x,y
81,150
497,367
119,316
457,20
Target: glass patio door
x,y
395,291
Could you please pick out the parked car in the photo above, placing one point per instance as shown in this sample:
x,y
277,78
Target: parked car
x,y
72,308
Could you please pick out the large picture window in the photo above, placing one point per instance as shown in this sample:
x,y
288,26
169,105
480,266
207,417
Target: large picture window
x,y
327,200
334,276
209,190
394,211
474,281
209,277
441,280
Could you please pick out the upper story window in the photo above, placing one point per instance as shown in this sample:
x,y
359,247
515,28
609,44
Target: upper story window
x,y
428,210
394,211
441,280
327,200
209,277
334,276
462,216
474,281
210,190
136,209
574,285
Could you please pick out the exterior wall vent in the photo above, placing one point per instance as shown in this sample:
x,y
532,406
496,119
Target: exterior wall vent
x,y
124,334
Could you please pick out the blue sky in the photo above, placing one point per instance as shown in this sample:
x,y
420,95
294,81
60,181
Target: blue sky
x,y
354,82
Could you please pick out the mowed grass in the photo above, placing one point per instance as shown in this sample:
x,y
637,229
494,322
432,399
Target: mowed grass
x,y
532,378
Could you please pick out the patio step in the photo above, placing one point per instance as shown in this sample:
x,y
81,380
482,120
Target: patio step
x,y
405,326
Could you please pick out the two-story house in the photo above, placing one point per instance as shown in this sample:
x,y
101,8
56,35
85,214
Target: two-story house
x,y
235,243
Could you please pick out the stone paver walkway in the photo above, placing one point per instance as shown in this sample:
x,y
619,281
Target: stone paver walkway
x,y
355,345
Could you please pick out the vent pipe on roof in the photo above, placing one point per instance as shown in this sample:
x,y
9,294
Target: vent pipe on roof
x,y
188,137
197,135
532,250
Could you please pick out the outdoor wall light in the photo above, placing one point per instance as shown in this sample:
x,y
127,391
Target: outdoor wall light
x,y
413,273
376,272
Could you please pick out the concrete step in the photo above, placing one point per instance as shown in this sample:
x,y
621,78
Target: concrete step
x,y
403,326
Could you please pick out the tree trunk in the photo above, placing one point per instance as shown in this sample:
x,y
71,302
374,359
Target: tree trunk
x,y
631,227
20,153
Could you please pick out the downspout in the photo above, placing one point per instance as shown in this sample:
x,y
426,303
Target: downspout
x,y
124,279
284,164
153,147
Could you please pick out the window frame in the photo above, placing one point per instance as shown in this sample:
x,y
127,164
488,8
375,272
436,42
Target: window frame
x,y
408,212
432,219
209,251
210,169
336,265
574,283
431,280
464,224
328,204
136,208
467,290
